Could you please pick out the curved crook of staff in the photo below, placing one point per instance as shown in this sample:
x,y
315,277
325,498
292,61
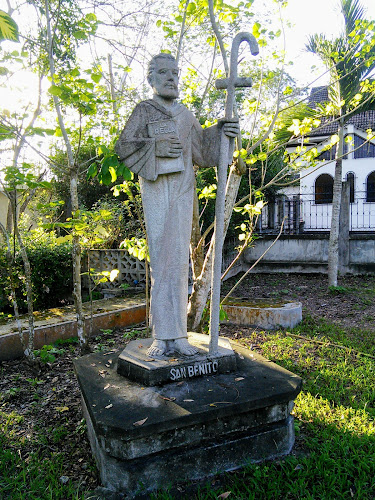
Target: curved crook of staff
x,y
230,84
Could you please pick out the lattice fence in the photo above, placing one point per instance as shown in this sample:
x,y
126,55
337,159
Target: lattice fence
x,y
131,270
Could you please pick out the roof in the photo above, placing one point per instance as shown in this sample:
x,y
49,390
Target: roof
x,y
318,95
363,121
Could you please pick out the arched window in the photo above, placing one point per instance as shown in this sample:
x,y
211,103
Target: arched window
x,y
370,187
324,189
350,178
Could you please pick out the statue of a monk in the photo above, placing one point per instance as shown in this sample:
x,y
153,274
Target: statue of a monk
x,y
160,142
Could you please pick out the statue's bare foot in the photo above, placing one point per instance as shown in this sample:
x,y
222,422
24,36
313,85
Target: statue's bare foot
x,y
157,348
183,347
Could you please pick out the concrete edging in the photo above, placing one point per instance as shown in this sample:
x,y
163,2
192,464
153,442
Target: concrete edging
x,y
10,344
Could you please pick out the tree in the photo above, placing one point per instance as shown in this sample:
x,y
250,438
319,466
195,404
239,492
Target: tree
x,y
20,185
65,94
81,93
202,263
350,60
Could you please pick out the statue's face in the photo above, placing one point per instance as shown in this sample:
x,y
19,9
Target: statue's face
x,y
164,79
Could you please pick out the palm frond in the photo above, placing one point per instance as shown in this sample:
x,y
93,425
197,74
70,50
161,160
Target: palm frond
x,y
353,11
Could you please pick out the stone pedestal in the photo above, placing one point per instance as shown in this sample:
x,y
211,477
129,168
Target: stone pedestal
x,y
145,438
135,364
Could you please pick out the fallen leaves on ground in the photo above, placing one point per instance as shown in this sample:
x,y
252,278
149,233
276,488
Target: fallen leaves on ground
x,y
224,495
140,422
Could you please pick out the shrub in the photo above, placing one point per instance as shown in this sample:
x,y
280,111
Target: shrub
x,y
51,270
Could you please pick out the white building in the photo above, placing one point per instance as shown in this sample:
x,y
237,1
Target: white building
x,y
311,201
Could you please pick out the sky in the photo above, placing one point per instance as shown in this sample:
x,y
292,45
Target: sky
x,y
309,17
306,16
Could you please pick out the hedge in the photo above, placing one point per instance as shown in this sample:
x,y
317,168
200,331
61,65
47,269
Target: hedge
x,y
52,282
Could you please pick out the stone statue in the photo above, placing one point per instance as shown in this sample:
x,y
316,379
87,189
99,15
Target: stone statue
x,y
160,142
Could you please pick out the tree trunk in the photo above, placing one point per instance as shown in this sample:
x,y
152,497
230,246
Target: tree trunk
x,y
13,297
333,246
73,175
29,348
202,283
76,258
196,248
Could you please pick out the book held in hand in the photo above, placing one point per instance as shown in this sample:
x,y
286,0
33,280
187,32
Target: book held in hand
x,y
164,130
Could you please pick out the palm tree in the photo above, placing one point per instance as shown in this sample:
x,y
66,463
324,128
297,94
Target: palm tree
x,y
350,60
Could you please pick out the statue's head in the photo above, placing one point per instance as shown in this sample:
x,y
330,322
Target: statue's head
x,y
163,76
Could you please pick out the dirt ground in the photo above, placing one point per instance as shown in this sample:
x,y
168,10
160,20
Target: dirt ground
x,y
350,305
49,399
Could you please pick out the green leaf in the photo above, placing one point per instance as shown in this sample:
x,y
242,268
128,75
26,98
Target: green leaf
x,y
112,171
45,184
8,28
79,35
102,231
106,177
55,90
102,149
208,192
127,174
256,32
96,77
191,8
105,214
223,316
92,171
91,17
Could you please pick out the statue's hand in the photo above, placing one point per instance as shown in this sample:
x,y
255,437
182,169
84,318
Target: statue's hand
x,y
168,148
231,127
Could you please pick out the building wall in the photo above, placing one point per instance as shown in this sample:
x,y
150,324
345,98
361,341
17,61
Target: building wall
x,y
361,167
318,216
309,253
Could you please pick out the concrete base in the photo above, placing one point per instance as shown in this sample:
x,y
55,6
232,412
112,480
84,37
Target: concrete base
x,y
135,364
145,438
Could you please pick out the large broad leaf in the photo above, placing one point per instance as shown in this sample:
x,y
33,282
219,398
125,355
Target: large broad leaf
x,y
8,28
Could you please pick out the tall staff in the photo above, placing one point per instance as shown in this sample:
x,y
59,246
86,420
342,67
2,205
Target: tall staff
x,y
230,84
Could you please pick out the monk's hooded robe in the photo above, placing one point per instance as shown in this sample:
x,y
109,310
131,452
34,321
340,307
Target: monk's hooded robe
x,y
167,202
